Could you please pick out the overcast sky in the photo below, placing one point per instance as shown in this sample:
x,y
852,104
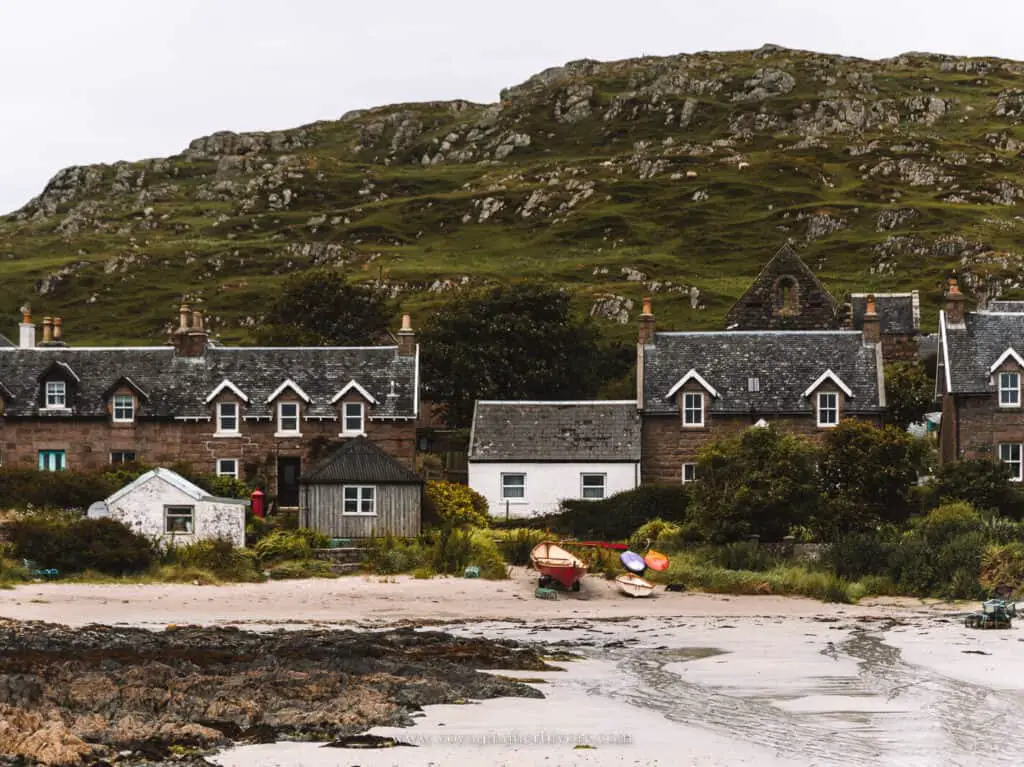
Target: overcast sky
x,y
85,81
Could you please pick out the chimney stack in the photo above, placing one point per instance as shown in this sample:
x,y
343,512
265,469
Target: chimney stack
x,y
47,330
26,329
190,338
406,338
954,305
646,334
872,331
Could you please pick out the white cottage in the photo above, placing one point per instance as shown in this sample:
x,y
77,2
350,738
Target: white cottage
x,y
166,507
525,458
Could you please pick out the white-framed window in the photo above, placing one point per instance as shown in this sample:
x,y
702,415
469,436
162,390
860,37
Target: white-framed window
x,y
1010,454
689,472
359,499
828,408
352,418
227,467
53,460
288,418
513,487
1009,390
122,456
124,408
227,418
693,408
592,486
179,520
56,394
753,384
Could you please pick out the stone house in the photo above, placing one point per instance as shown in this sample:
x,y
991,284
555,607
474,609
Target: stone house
x,y
359,491
244,412
527,457
978,380
166,507
693,388
899,318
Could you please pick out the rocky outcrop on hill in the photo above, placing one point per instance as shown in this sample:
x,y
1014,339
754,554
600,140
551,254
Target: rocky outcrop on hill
x,y
681,163
101,694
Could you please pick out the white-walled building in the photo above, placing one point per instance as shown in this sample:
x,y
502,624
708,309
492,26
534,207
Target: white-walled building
x,y
166,507
525,458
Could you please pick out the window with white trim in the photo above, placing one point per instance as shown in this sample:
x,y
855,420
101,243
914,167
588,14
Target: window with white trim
x,y
753,384
56,394
124,408
179,520
227,418
592,486
1009,390
359,499
1010,454
122,456
828,408
227,467
513,487
288,418
689,472
693,408
352,418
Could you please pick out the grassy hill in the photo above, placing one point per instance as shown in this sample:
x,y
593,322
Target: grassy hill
x,y
677,177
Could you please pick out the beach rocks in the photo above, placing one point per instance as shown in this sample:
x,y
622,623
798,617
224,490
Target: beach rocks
x,y
96,694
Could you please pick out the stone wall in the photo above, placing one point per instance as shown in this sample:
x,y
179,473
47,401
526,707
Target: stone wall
x,y
982,426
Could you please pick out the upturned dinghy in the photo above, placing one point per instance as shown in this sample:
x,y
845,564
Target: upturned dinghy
x,y
556,564
656,560
633,562
634,585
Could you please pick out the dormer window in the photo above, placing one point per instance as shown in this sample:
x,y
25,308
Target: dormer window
x,y
56,394
1009,390
693,408
227,418
288,419
352,418
124,408
828,409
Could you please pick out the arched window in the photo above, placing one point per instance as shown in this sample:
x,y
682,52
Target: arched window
x,y
787,300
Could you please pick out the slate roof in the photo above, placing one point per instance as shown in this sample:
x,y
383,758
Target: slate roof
x,y
555,431
898,313
178,386
1005,306
360,460
973,350
785,363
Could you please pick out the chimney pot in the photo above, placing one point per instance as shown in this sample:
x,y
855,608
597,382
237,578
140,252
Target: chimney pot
x,y
872,329
58,328
183,315
26,313
406,338
197,319
47,329
646,332
954,304
406,323
647,306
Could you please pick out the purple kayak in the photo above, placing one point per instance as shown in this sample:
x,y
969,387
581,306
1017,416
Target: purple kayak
x,y
633,562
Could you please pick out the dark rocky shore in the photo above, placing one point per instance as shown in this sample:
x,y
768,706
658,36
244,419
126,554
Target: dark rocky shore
x,y
99,695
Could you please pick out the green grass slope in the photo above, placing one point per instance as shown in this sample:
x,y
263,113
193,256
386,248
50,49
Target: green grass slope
x,y
677,177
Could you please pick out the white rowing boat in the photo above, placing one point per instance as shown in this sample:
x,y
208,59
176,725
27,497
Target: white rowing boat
x,y
634,585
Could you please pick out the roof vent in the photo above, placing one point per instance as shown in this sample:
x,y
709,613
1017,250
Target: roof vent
x,y
754,384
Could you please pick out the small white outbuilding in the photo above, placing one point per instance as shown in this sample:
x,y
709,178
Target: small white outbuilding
x,y
166,507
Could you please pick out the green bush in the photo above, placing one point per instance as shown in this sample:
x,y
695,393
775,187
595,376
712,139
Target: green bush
x,y
743,555
484,553
280,545
23,488
983,483
857,555
515,545
219,557
455,503
102,545
654,532
390,555
452,550
1001,565
302,568
615,517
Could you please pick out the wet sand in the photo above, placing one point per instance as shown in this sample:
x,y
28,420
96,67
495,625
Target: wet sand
x,y
678,679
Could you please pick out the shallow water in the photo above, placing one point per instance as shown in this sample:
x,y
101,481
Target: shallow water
x,y
747,692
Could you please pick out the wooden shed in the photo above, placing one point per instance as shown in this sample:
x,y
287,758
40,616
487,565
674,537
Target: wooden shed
x,y
359,491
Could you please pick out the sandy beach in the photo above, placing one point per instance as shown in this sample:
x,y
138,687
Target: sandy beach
x,y
678,679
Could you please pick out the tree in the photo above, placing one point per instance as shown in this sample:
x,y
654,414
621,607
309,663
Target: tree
x,y
909,393
511,342
763,482
867,477
983,483
320,307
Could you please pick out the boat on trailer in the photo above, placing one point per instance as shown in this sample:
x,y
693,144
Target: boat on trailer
x,y
556,565
634,585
